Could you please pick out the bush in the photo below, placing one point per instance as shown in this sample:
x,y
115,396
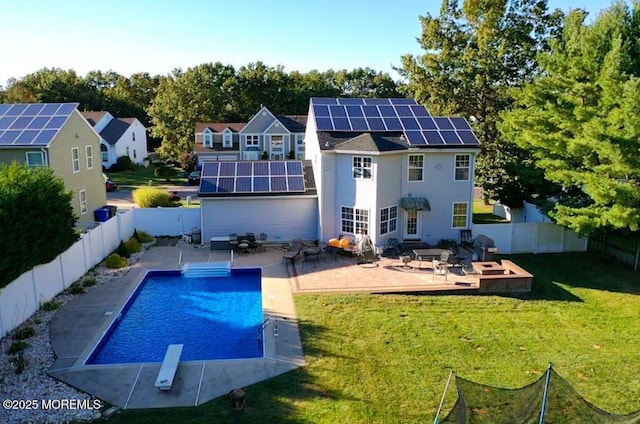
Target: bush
x,y
18,346
265,155
19,362
89,281
124,163
142,236
115,261
24,333
133,246
51,305
149,197
165,172
75,288
188,162
122,250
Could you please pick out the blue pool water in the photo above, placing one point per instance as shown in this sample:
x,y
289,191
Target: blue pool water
x,y
213,317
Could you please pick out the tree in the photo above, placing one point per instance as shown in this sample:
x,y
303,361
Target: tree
x,y
580,119
186,98
474,55
365,82
28,236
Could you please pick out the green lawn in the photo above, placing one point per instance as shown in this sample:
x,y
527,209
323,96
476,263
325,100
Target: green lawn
x,y
483,213
386,358
141,177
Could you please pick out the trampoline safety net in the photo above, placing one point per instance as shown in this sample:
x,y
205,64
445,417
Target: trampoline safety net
x,y
479,404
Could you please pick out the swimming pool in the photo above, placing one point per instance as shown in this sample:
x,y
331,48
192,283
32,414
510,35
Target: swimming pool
x,y
214,317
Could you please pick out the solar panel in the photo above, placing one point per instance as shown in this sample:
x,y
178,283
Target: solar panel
x,y
34,124
400,114
251,177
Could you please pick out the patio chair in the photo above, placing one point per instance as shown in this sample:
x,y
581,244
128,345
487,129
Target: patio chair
x,y
366,252
391,247
466,239
293,253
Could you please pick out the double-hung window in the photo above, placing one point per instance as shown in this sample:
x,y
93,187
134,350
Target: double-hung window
x,y
416,167
459,219
75,160
463,167
227,139
82,194
362,167
89,153
388,220
354,221
207,139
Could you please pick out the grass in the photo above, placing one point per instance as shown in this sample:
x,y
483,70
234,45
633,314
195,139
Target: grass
x,y
483,213
141,176
386,358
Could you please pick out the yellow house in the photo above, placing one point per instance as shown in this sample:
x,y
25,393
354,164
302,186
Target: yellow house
x,y
58,136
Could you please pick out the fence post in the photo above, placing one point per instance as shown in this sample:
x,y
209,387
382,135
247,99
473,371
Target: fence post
x,y
61,270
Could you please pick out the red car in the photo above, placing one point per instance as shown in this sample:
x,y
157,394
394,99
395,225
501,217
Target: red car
x,y
110,185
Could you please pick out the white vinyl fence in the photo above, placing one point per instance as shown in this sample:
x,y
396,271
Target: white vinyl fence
x,y
24,296
532,237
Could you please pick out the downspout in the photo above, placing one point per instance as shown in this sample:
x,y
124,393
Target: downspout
x,y
45,156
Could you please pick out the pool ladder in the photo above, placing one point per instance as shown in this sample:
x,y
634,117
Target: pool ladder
x,y
265,324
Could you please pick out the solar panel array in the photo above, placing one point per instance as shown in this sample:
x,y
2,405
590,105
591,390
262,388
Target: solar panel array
x,y
256,177
397,115
33,124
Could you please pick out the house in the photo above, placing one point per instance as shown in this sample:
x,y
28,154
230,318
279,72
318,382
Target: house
x,y
58,136
277,137
387,168
274,197
118,137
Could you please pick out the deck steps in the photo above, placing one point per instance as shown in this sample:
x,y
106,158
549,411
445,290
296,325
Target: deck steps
x,y
207,269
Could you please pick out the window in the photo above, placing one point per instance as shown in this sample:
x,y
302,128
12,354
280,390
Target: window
x,y
227,140
75,159
300,146
133,136
354,221
416,166
252,140
361,168
277,147
83,201
388,220
207,140
463,166
35,159
104,153
89,152
135,155
460,215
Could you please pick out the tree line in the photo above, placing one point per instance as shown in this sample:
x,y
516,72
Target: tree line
x,y
553,98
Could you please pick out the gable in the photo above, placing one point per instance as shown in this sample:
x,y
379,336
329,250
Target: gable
x,y
260,122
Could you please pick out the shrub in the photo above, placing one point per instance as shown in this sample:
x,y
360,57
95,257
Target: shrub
x,y
115,261
188,162
265,155
122,250
149,197
24,333
17,346
51,305
133,245
75,288
89,281
124,163
165,172
291,155
144,237
19,362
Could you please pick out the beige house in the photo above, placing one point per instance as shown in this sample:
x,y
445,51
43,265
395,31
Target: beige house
x,y
58,136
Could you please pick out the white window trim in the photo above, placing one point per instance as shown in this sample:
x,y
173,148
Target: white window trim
x,y
252,137
456,167
82,197
354,221
388,220
41,154
88,150
207,137
104,155
466,215
75,162
362,168
409,168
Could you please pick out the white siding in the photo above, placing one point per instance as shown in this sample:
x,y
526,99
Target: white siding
x,y
283,219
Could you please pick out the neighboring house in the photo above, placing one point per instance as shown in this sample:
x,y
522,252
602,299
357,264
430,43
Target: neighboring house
x,y
56,135
386,168
118,137
278,136
273,197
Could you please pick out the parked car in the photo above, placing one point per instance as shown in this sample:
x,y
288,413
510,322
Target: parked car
x,y
110,185
194,178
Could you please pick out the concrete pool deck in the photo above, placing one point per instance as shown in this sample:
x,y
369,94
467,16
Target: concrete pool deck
x,y
79,324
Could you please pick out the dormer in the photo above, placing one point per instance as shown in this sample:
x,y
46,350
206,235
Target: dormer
x,y
227,138
207,138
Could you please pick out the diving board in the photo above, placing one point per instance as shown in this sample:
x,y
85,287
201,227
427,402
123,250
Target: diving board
x,y
169,366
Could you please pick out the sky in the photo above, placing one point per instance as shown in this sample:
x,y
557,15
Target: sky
x,y
157,36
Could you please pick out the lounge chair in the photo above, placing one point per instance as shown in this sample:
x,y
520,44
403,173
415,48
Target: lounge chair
x,y
294,251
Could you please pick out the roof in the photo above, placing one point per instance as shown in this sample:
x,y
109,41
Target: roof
x,y
294,123
93,117
114,130
339,117
218,127
366,142
32,124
